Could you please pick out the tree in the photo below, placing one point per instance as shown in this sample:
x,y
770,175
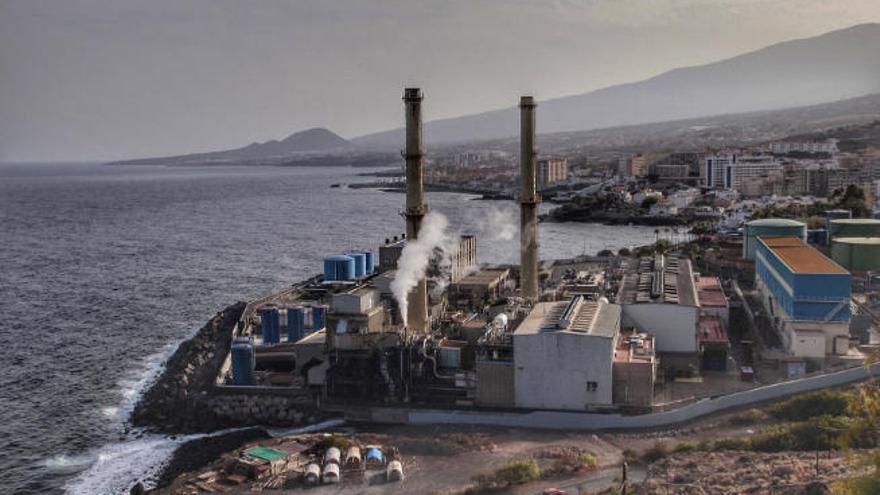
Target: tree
x,y
853,199
605,253
624,252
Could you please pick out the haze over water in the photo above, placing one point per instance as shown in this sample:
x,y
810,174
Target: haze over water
x,y
103,270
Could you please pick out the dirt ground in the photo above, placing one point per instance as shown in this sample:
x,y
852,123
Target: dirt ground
x,y
741,473
446,459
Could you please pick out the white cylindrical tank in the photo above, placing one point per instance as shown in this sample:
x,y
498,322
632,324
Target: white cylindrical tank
x,y
312,474
332,456
394,471
353,457
331,473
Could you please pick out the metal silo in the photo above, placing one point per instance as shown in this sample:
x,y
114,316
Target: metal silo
x,y
296,323
360,264
368,256
339,268
243,360
770,227
854,227
270,324
832,215
319,317
859,254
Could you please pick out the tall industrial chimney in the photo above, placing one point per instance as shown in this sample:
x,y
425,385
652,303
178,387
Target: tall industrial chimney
x,y
417,316
528,200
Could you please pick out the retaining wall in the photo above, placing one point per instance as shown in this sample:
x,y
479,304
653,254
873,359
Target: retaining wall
x,y
586,421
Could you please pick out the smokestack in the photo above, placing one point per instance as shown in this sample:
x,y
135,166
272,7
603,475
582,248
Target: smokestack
x,y
528,200
417,315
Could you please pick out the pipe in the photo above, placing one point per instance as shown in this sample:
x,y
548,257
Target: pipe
x,y
417,316
529,200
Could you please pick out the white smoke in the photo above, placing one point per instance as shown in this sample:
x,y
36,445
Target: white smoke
x,y
499,223
416,257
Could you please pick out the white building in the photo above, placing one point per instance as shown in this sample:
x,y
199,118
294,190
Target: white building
x,y
730,170
684,197
659,297
563,354
783,147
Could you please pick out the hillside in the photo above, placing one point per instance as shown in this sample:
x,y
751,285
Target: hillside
x,y
311,141
836,119
834,66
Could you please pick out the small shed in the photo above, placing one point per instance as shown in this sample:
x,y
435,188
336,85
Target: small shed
x,y
277,459
332,456
312,475
331,473
374,457
353,457
394,471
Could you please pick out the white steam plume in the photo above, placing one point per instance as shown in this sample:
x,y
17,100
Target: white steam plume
x,y
415,258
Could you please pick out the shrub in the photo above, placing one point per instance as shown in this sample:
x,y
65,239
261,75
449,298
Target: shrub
x,y
811,405
824,432
630,454
685,447
519,472
337,441
750,417
588,460
734,443
656,452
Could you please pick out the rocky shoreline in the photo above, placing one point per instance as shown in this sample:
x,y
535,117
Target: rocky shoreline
x,y
173,404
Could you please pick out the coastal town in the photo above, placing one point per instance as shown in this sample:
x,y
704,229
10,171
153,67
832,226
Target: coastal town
x,y
760,286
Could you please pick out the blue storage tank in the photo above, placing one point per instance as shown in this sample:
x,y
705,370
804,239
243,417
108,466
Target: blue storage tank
x,y
271,324
296,323
360,264
319,317
339,267
243,361
369,260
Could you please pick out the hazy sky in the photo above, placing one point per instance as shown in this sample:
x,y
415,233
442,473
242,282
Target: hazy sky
x,y
106,79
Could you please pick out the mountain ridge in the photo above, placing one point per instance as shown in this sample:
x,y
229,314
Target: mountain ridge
x,y
312,140
833,66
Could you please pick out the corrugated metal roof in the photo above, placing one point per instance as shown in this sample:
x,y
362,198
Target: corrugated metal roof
x,y
799,257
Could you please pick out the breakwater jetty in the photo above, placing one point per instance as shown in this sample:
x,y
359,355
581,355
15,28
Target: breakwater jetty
x,y
184,398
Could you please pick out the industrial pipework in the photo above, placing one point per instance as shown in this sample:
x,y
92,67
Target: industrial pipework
x,y
417,316
528,200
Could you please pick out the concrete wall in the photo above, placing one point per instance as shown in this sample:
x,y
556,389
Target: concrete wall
x,y
495,384
552,370
674,326
586,421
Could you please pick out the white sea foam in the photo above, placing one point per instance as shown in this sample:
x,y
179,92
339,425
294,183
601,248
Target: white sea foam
x,y
67,464
118,466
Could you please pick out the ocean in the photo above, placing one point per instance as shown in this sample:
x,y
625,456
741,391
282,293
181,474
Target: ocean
x,y
104,270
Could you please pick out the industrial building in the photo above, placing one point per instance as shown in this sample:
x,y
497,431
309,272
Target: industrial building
x,y
713,301
482,285
634,371
563,354
807,294
659,297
